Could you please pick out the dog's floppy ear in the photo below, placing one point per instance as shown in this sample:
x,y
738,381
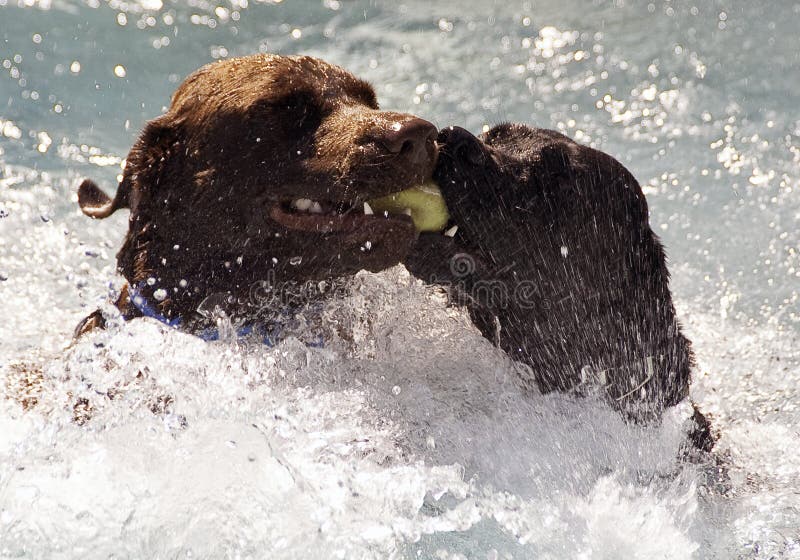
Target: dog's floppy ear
x,y
97,204
147,157
556,162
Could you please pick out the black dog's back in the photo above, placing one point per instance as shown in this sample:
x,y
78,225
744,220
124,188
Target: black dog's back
x,y
565,273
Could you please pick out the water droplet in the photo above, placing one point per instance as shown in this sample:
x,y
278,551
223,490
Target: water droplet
x,y
564,251
396,390
119,71
294,261
160,294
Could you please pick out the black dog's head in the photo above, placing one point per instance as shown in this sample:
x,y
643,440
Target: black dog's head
x,y
535,179
258,171
523,194
565,271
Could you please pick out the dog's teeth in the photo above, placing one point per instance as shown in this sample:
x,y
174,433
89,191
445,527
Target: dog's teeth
x,y
302,204
407,211
368,210
451,232
316,208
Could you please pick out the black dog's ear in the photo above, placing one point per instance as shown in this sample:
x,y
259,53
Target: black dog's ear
x,y
554,173
555,161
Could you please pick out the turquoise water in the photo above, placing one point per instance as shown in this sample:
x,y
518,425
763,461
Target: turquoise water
x,y
699,100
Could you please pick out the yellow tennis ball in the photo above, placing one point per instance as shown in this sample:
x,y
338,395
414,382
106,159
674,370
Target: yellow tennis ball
x,y
426,203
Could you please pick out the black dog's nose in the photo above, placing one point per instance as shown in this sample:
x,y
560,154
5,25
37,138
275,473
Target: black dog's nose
x,y
412,138
453,135
462,144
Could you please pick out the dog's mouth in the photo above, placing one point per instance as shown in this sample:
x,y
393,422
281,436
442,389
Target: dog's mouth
x,y
320,216
421,207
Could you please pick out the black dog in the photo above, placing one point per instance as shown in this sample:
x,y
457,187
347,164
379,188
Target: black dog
x,y
557,264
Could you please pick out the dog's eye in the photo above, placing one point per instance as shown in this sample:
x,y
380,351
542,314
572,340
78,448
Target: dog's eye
x,y
296,101
297,109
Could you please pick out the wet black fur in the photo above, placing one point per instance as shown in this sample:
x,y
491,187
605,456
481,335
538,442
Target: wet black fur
x,y
562,268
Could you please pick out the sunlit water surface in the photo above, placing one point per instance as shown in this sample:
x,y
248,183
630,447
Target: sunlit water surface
x,y
408,438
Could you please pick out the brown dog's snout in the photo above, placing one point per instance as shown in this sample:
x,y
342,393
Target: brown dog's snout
x,y
413,139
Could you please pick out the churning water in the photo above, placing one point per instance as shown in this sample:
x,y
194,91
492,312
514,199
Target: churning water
x,y
407,438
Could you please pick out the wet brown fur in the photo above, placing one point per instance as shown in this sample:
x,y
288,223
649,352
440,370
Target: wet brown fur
x,y
240,136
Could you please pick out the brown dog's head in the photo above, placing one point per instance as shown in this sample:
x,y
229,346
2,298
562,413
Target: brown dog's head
x,y
259,171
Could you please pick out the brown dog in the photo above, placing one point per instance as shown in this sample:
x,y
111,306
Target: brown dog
x,y
258,173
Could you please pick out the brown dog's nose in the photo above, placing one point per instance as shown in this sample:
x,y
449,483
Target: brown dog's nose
x,y
410,138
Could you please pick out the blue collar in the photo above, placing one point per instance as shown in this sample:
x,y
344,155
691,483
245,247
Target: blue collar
x,y
147,310
269,334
